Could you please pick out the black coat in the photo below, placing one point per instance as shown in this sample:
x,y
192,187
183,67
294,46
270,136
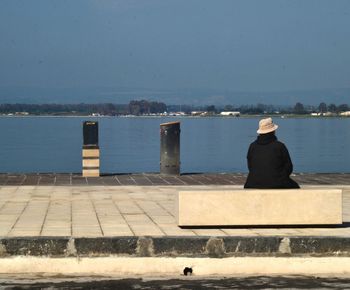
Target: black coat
x,y
269,164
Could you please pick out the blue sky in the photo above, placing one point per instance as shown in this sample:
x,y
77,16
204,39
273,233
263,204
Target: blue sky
x,y
175,45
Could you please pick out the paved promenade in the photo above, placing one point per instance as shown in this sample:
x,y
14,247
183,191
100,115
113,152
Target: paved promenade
x,y
156,179
130,205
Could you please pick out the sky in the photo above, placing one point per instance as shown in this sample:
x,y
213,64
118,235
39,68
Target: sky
x,y
189,49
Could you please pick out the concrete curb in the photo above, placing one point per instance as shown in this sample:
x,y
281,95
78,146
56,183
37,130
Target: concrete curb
x,y
164,267
193,247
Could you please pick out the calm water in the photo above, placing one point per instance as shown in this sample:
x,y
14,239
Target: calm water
x,y
50,144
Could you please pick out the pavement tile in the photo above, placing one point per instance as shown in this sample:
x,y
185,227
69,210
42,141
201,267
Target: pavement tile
x,y
108,208
29,225
85,223
56,233
146,230
332,231
117,230
31,180
139,196
112,221
63,181
8,189
25,189
46,181
24,233
163,219
120,197
33,223
110,180
173,180
109,216
141,180
169,206
7,225
156,180
13,208
239,232
15,180
58,215
209,232
87,233
218,179
8,218
4,231
173,230
50,227
92,228
189,180
151,208
137,219
56,196
116,226
79,181
125,180
276,232
128,207
118,233
202,179
43,189
101,196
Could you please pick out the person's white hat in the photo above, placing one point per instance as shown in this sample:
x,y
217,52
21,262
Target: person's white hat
x,y
266,126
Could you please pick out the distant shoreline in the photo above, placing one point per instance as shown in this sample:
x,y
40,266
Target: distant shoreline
x,y
291,116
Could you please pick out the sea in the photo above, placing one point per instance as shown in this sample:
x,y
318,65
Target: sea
x,y
132,144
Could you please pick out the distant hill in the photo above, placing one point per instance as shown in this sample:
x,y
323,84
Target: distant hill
x,y
121,95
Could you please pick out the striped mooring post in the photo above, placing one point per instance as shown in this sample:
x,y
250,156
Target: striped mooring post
x,y
91,150
170,148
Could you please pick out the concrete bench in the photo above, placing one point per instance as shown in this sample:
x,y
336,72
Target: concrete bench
x,y
259,207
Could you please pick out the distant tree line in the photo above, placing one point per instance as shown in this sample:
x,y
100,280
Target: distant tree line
x,y
299,108
109,109
144,107
62,109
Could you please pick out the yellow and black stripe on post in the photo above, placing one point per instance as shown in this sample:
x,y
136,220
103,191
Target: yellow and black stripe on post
x,y
91,150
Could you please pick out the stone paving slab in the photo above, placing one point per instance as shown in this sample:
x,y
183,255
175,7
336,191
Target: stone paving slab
x,y
117,211
148,179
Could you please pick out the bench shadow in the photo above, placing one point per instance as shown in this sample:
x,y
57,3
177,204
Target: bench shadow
x,y
343,225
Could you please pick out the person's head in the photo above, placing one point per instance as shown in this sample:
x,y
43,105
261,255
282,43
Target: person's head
x,y
266,126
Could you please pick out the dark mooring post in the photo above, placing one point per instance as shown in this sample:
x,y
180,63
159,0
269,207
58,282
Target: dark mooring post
x,y
170,148
91,151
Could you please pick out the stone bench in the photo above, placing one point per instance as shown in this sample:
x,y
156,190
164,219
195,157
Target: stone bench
x,y
317,206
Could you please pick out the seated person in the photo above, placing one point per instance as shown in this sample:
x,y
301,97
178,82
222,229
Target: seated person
x,y
269,162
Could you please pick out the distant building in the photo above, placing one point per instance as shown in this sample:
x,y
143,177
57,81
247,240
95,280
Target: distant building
x,y
326,114
177,114
230,113
347,114
196,113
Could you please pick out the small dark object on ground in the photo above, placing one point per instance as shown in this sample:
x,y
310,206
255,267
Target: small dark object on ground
x,y
187,271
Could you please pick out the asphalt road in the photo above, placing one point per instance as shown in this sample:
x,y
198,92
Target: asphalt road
x,y
259,282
